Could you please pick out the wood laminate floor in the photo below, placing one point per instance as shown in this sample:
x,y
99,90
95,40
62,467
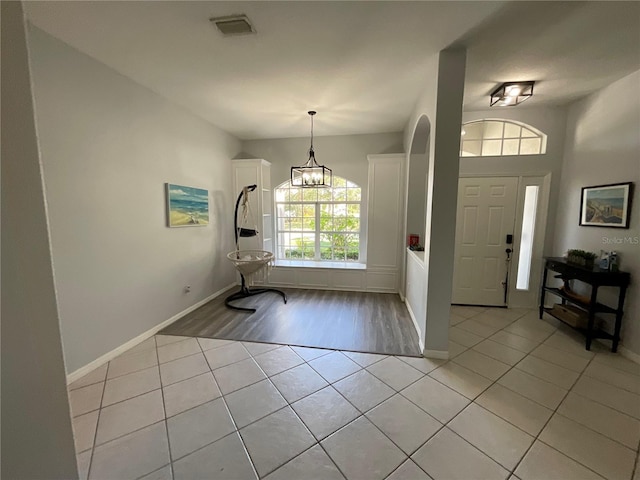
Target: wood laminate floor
x,y
355,321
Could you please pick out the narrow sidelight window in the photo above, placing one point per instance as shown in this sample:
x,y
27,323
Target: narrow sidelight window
x,y
526,240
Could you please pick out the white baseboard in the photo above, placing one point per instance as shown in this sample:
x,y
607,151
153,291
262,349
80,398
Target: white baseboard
x,y
98,362
415,324
441,354
628,354
297,286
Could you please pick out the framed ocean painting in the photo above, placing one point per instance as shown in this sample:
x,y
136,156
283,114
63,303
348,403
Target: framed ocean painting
x,y
187,206
606,205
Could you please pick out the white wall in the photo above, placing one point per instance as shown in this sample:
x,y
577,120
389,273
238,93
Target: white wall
x,y
37,441
346,155
425,105
417,195
603,146
416,292
108,147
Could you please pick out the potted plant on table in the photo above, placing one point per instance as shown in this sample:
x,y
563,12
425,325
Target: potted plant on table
x,y
581,257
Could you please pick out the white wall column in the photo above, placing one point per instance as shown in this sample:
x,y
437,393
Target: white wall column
x,y
442,199
37,441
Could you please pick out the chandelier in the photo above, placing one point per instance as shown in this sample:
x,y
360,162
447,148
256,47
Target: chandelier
x,y
311,175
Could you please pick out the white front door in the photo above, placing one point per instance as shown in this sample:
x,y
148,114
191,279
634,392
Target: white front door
x,y
485,216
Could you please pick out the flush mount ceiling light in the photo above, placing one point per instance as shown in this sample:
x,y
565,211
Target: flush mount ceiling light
x,y
311,175
233,25
510,94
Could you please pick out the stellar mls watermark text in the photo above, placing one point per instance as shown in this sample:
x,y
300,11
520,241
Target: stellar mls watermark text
x,y
631,240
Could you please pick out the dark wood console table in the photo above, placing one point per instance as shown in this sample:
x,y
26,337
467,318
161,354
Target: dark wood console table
x,y
596,278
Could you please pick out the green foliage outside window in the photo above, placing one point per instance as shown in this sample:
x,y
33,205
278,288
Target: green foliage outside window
x,y
324,218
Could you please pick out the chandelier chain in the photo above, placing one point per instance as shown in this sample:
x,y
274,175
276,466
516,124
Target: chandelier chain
x,y
311,152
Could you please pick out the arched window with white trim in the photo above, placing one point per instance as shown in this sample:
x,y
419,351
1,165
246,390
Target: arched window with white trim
x,y
319,224
495,137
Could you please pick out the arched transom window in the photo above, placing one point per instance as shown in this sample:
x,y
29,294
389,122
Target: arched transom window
x,y
488,138
319,224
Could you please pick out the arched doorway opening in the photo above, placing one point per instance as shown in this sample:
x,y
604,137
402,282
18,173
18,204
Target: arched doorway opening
x,y
415,275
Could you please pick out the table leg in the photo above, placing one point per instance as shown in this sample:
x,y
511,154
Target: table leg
x,y
592,312
619,313
542,291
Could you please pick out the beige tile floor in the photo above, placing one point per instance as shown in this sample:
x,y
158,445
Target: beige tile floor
x,y
520,398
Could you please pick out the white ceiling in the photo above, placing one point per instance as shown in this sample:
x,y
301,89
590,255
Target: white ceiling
x,y
570,49
360,64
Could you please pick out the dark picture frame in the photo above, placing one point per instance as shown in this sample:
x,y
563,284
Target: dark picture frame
x,y
606,205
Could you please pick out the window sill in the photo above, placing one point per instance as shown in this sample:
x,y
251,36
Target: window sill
x,y
312,264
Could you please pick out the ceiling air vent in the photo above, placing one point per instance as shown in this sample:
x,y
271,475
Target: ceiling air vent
x,y
233,25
